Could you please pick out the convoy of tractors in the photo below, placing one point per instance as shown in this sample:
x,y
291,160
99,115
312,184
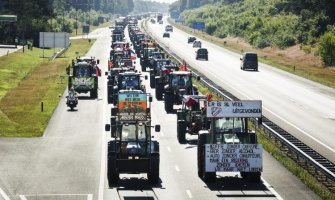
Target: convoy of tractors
x,y
226,140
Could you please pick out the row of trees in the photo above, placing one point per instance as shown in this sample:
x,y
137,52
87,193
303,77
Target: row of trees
x,y
263,23
36,16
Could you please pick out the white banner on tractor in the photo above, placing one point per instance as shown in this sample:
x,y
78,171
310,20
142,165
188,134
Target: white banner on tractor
x,y
233,158
246,108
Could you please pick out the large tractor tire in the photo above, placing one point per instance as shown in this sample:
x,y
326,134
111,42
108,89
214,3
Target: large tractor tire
x,y
109,94
112,174
168,101
94,93
152,80
181,131
200,158
143,67
159,91
153,174
207,177
70,82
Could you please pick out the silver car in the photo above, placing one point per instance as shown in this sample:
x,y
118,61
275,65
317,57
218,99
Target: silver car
x,y
197,44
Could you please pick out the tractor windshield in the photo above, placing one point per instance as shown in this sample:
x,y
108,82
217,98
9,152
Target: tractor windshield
x,y
132,132
82,71
181,81
130,81
230,131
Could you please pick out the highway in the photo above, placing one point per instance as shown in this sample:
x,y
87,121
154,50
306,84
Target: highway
x,y
302,107
69,161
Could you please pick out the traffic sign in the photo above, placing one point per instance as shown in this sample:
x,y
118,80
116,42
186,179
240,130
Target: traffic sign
x,y
199,25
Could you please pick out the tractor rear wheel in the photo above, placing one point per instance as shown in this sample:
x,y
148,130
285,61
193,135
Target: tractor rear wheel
x,y
181,132
153,174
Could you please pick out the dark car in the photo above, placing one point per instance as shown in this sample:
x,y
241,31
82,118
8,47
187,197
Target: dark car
x,y
249,61
201,53
191,39
166,34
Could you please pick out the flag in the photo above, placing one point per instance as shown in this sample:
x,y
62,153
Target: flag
x,y
183,67
132,54
167,71
209,97
189,101
110,64
97,71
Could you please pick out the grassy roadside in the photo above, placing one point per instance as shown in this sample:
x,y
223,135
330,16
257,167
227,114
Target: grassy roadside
x,y
296,60
271,147
28,80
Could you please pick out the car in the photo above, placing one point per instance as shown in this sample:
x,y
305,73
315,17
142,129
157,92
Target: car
x,y
166,34
249,61
153,21
191,39
197,44
169,28
201,53
160,22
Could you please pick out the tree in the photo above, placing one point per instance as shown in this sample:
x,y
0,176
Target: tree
x,y
327,48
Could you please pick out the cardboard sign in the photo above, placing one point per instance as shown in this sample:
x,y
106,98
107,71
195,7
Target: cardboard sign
x,y
247,108
132,106
234,158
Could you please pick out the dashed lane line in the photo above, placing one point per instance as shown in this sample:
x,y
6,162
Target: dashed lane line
x,y
189,194
177,168
4,195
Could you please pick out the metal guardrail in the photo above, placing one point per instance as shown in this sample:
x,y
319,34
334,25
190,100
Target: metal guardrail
x,y
305,156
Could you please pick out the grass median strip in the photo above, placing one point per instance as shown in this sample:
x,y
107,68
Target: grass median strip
x,y
28,81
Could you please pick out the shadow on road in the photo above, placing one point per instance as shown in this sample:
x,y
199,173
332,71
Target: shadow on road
x,y
235,186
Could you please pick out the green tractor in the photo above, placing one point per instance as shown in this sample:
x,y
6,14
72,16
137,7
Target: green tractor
x,y
132,148
162,79
83,76
229,145
179,84
191,117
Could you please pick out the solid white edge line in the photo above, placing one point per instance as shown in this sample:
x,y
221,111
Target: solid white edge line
x,y
312,137
189,194
34,195
4,195
103,157
22,197
273,191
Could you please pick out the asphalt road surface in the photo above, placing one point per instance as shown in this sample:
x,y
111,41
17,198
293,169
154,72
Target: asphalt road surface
x,y
69,161
302,107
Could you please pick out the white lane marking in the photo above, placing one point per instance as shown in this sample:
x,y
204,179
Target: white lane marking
x,y
162,134
273,191
34,195
177,168
90,197
169,149
4,195
189,194
103,156
294,126
22,197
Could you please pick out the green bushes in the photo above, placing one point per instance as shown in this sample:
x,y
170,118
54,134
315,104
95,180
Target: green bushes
x,y
261,23
327,48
